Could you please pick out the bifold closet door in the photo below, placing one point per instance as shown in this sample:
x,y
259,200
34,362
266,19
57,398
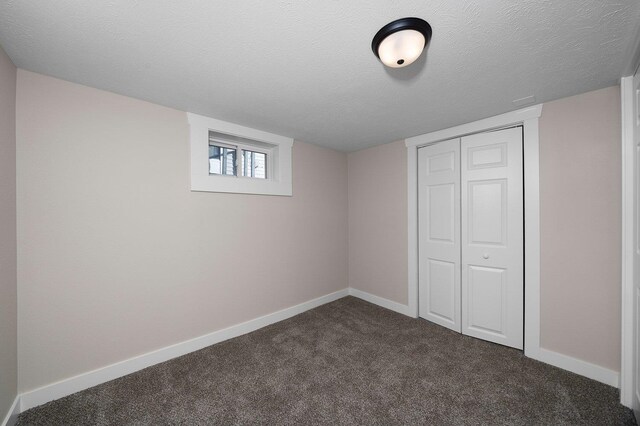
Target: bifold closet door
x,y
439,233
470,226
492,236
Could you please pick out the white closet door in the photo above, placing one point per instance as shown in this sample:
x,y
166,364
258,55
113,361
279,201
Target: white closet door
x,y
439,233
492,237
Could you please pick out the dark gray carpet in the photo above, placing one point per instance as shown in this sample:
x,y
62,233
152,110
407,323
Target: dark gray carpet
x,y
348,362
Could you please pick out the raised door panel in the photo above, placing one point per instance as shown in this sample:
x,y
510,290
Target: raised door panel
x,y
487,300
440,222
439,233
488,212
487,156
442,290
443,162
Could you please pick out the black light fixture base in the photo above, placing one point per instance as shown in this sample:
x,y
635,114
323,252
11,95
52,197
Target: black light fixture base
x,y
416,24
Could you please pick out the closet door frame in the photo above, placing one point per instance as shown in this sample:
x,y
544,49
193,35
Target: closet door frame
x,y
528,118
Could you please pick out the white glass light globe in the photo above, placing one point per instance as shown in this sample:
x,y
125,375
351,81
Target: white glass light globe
x,y
401,48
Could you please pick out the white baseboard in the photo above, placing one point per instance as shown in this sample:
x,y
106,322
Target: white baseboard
x,y
12,416
583,368
380,301
83,381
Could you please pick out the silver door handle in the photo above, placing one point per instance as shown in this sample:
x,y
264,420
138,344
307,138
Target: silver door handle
x,y
485,256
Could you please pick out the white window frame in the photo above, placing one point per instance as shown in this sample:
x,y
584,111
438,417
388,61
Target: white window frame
x,y
278,181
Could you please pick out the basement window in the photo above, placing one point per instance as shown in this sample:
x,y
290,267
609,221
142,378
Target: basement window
x,y
226,157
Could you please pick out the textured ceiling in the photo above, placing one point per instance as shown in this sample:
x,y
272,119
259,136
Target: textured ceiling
x,y
305,68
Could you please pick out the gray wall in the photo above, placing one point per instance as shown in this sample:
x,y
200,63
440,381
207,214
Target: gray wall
x,y
8,290
121,258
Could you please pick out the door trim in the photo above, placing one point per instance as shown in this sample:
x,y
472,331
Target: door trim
x,y
528,118
626,362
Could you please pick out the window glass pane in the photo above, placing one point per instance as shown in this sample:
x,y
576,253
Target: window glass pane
x,y
222,160
254,164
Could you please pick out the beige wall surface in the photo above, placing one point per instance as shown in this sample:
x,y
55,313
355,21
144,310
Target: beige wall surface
x,y
117,257
580,214
8,291
378,221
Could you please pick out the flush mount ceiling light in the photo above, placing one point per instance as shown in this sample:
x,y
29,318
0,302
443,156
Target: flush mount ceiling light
x,y
400,43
